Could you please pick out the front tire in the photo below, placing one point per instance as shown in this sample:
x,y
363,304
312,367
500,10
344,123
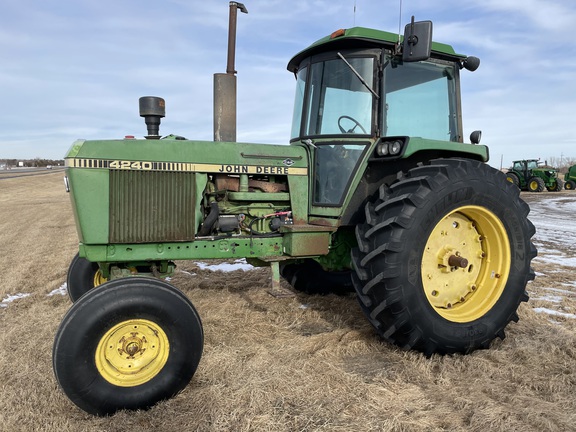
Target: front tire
x,y
444,257
557,186
127,344
83,275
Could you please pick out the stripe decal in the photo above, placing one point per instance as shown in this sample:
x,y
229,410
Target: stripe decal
x,y
182,167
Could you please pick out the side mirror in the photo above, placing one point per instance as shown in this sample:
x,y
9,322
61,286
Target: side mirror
x,y
475,137
417,41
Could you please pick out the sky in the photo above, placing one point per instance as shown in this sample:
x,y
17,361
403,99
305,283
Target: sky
x,y
74,69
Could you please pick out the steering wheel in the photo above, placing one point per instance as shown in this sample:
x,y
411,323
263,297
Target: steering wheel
x,y
356,124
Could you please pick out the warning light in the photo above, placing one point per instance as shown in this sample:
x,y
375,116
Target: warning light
x,y
338,33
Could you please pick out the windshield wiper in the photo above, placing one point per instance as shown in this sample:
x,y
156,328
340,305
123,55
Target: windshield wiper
x,y
362,80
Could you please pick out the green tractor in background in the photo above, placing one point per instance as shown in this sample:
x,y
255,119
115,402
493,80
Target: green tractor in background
x,y
377,194
528,175
570,178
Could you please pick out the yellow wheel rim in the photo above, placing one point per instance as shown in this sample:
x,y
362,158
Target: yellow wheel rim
x,y
132,353
466,263
98,278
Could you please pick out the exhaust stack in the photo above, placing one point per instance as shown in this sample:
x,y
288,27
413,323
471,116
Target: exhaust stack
x,y
225,85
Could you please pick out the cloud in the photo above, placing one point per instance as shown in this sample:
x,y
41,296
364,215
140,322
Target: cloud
x,y
76,69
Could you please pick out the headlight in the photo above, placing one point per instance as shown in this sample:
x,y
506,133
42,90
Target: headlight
x,y
382,149
395,147
391,147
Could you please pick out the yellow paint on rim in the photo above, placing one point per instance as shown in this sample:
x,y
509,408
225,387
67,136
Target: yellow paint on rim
x,y
132,353
99,279
476,239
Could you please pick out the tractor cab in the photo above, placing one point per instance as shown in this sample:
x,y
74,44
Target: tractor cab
x,y
360,86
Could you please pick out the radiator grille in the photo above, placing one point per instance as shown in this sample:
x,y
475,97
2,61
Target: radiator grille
x,y
151,206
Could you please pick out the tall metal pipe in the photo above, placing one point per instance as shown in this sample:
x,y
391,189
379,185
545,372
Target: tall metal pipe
x,y
225,85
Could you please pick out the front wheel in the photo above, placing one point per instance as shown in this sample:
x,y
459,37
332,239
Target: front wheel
x,y
127,344
83,275
444,257
557,186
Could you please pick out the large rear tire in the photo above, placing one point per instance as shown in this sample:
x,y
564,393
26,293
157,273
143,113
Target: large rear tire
x,y
127,344
536,184
513,178
444,257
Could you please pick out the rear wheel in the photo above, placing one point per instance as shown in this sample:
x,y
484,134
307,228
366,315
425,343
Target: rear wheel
x,y
83,275
536,184
444,257
309,277
513,178
127,344
570,185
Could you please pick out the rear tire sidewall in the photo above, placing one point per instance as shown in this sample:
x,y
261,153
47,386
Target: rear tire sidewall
x,y
101,309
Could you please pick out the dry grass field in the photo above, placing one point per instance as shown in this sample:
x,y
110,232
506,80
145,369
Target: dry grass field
x,y
304,363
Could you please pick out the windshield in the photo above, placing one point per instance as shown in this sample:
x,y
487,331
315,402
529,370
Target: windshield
x,y
420,100
336,101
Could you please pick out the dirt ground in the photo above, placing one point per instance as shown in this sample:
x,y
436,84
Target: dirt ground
x,y
305,363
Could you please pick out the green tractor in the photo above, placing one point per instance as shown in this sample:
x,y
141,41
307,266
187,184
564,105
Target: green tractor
x,y
570,178
528,175
376,194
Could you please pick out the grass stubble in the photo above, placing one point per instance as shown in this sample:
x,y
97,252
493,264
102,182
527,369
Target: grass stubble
x,y
305,363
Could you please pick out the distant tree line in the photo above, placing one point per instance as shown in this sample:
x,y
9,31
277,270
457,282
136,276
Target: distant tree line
x,y
30,163
561,163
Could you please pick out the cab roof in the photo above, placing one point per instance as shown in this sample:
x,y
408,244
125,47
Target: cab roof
x,y
362,37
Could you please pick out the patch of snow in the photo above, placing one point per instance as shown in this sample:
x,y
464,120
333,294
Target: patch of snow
x,y
4,303
557,259
554,312
62,290
239,264
551,299
559,290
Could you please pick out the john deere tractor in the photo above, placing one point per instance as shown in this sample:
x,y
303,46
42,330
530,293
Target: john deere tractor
x,y
528,175
570,178
377,193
